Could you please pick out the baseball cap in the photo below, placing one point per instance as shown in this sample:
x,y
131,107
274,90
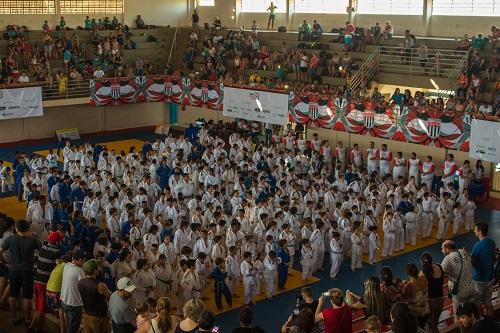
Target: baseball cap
x,y
91,265
54,237
125,284
78,254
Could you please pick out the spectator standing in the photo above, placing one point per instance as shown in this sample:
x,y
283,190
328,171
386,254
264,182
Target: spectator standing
x,y
415,293
195,21
163,322
191,311
391,287
338,318
94,297
403,320
23,78
54,286
21,247
71,300
139,22
433,272
483,266
272,15
457,265
409,43
245,318
48,256
121,312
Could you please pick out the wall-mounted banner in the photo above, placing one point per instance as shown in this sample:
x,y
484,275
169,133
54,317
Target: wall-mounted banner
x,y
21,103
485,141
256,105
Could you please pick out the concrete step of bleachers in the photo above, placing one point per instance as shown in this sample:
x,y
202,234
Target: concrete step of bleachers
x,y
334,81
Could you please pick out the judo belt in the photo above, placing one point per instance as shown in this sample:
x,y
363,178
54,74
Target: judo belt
x,y
164,281
336,252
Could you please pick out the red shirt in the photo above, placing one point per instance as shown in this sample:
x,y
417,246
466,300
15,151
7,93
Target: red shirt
x,y
338,320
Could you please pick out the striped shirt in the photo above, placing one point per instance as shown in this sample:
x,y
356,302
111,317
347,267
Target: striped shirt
x,y
451,266
46,262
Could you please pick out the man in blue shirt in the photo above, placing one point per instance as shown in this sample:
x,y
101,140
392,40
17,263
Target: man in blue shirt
x,y
483,271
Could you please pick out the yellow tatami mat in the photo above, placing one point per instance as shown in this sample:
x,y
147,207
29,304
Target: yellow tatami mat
x,y
118,146
12,207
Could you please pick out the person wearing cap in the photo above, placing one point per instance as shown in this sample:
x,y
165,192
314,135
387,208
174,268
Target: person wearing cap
x,y
48,258
120,310
94,296
471,322
71,300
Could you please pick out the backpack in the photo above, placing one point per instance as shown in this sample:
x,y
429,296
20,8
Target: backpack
x,y
282,29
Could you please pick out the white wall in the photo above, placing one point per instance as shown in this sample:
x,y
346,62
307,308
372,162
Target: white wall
x,y
157,12
442,26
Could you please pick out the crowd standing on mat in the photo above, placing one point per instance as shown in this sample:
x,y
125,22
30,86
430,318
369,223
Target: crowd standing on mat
x,y
190,217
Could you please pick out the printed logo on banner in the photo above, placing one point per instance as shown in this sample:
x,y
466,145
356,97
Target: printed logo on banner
x,y
115,91
369,119
204,94
434,128
313,110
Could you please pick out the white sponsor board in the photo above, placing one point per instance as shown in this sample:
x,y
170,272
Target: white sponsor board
x,y
256,105
485,140
21,103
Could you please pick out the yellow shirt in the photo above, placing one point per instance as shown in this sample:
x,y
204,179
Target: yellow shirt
x,y
55,280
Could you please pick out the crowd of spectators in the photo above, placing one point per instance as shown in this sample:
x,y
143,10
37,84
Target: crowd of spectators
x,y
99,54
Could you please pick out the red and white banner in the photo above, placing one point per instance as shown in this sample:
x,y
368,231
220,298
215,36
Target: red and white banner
x,y
421,125
180,90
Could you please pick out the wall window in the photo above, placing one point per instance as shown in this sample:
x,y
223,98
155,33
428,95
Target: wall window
x,y
391,7
260,6
466,7
321,6
91,6
205,3
28,7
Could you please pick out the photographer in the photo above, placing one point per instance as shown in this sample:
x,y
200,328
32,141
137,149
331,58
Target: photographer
x,y
303,322
305,300
338,317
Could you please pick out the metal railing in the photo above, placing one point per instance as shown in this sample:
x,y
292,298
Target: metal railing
x,y
366,72
174,41
432,62
453,78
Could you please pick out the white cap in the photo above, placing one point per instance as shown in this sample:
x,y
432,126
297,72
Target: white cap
x,y
126,284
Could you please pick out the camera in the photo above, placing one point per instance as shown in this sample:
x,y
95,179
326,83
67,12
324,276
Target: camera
x,y
296,312
326,294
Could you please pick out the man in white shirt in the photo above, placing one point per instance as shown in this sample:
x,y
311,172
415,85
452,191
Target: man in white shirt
x,y
71,300
98,73
23,78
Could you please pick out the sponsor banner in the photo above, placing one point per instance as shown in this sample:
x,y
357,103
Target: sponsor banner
x,y
21,103
485,141
68,133
256,105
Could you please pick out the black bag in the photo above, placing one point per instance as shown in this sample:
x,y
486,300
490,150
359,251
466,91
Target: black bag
x,y
282,29
322,46
335,31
